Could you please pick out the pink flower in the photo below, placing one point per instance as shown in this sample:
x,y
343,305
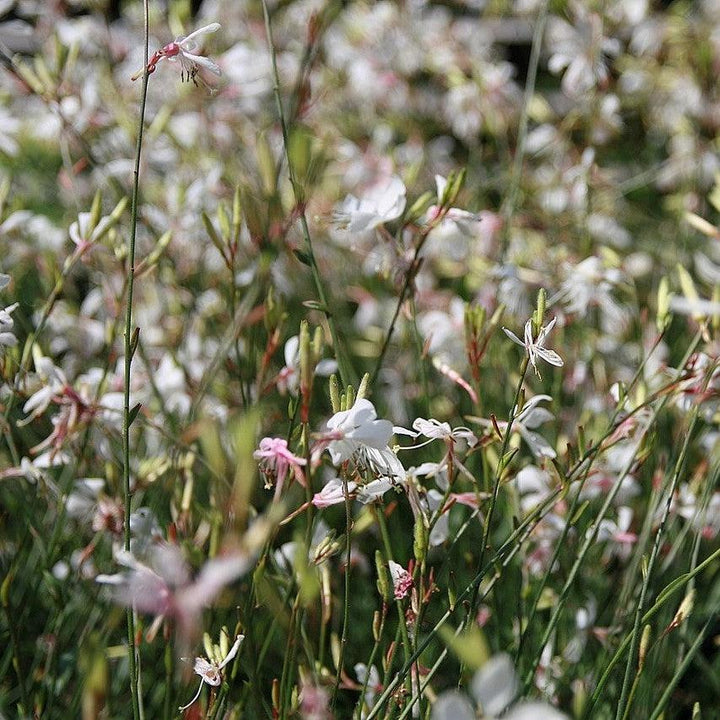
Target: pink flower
x,y
163,587
275,462
181,49
401,578
333,493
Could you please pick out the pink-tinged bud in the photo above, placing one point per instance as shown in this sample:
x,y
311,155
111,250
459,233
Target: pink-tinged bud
x,y
170,50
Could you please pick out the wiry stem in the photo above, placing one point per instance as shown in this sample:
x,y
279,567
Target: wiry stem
x,y
510,202
128,359
343,361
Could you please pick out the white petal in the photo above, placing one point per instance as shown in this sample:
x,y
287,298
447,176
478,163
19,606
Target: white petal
x,y
495,684
452,705
513,337
233,652
538,445
190,40
549,356
201,60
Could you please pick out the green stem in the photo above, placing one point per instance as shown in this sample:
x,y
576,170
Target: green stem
x,y
344,366
496,483
508,208
647,574
670,689
128,358
505,553
402,624
346,599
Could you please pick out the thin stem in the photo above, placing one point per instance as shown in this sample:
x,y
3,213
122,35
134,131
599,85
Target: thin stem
x,y
496,483
508,208
670,689
134,685
344,366
346,600
647,574
506,551
402,624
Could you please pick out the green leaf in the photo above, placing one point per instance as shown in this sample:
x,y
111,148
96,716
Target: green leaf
x,y
470,646
133,414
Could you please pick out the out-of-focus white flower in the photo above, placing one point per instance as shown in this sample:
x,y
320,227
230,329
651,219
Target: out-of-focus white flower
x,y
210,671
590,285
370,678
182,49
171,383
314,702
289,377
84,235
383,202
451,235
9,127
618,533
535,348
163,587
533,486
530,418
494,687
7,338
581,50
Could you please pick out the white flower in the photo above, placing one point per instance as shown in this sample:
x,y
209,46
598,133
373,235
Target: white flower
x,y
494,687
7,339
211,672
289,377
357,434
533,486
530,418
436,430
382,203
582,49
370,678
84,235
535,348
333,493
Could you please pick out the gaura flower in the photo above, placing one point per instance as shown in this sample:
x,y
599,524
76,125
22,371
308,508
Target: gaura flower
x,y
382,203
333,492
494,688
535,348
163,585
289,377
357,434
7,338
275,461
182,49
210,672
436,430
